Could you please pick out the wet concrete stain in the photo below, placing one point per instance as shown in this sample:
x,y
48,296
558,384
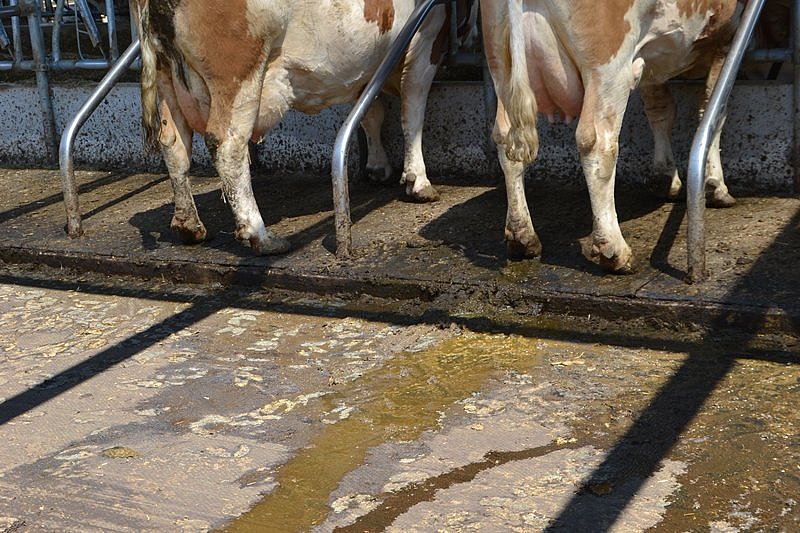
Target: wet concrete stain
x,y
398,402
395,504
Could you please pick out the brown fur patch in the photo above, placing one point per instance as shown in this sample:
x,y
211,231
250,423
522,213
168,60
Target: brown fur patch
x,y
381,12
721,12
601,30
718,32
222,43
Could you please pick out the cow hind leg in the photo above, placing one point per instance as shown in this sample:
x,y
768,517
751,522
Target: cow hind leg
x,y
176,146
422,61
229,129
521,238
378,167
717,194
660,109
597,136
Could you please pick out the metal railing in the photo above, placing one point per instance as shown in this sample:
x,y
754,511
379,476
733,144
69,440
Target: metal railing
x,y
712,120
88,29
75,28
341,195
66,167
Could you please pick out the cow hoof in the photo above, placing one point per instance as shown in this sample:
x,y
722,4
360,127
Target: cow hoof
x,y
525,248
381,175
189,234
427,195
666,187
720,200
263,244
615,267
272,245
615,262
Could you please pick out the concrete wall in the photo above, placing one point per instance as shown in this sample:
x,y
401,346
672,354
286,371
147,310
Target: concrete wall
x,y
756,142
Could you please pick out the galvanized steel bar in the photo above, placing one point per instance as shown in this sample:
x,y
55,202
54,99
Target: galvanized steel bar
x,y
32,10
796,92
770,55
67,170
711,121
341,195
16,35
63,65
111,26
9,11
55,36
88,21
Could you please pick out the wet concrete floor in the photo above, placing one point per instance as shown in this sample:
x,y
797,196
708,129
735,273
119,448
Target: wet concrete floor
x,y
130,405
427,385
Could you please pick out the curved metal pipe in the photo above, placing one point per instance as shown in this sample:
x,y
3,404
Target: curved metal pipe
x,y
341,195
67,170
711,121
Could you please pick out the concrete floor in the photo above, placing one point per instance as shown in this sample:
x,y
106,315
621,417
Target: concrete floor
x,y
428,384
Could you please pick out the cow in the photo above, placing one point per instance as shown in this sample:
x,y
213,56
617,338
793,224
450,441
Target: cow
x,y
582,58
231,69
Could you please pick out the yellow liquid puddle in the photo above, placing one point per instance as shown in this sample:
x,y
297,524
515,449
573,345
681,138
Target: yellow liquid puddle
x,y
397,402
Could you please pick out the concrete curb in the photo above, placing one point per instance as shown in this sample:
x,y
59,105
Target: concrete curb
x,y
524,304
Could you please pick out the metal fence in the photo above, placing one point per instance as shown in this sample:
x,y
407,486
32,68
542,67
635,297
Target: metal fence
x,y
41,37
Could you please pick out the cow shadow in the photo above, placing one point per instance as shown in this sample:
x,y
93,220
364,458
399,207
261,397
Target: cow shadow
x,y
562,217
279,196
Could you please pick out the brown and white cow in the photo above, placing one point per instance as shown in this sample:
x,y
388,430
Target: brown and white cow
x,y
231,69
583,58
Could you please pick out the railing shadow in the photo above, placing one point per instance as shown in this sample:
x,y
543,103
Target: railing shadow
x,y
115,177
637,455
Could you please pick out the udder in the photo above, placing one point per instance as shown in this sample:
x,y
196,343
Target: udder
x,y
554,77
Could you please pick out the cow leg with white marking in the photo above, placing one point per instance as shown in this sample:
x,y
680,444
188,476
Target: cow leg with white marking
x,y
230,126
517,140
422,60
520,236
175,139
597,136
660,110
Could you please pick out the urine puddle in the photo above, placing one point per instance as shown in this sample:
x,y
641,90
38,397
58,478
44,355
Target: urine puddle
x,y
397,402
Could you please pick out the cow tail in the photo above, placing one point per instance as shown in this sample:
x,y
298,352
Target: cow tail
x,y
151,121
522,141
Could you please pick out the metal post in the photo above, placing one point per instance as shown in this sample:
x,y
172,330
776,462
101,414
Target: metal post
x,y
111,26
32,9
68,137
796,92
55,37
341,195
711,121
16,35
